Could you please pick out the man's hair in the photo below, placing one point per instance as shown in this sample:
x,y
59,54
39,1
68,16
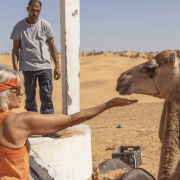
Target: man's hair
x,y
31,1
6,75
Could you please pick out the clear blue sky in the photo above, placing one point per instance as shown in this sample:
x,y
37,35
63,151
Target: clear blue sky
x,y
115,25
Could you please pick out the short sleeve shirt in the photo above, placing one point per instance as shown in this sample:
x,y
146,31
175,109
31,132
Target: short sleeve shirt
x,y
34,48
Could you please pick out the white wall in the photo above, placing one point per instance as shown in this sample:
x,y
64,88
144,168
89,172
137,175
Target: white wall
x,y
70,157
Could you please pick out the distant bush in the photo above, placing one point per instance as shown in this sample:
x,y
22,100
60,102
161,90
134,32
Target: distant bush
x,y
5,53
131,56
90,54
137,55
121,54
100,52
150,56
94,52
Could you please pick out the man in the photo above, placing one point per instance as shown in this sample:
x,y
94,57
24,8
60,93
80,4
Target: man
x,y
33,36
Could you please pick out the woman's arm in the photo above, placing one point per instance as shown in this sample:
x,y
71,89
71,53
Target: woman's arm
x,y
37,124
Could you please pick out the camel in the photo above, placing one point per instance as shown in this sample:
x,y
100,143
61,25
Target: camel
x,y
160,77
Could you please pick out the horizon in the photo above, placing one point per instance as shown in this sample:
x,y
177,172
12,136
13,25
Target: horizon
x,y
116,26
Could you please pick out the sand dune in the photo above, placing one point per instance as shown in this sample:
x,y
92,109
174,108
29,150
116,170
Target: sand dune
x,y
98,77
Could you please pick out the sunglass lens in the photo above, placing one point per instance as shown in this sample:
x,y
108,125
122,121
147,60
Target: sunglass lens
x,y
19,90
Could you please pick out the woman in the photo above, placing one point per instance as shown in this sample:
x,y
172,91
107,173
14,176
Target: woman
x,y
15,128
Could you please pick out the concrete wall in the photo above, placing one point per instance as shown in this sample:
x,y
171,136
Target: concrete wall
x,y
40,170
70,157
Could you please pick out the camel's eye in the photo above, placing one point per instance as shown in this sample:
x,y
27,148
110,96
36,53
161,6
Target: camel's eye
x,y
151,69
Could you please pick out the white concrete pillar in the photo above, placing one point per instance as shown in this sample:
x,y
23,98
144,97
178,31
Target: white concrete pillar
x,y
70,157
70,63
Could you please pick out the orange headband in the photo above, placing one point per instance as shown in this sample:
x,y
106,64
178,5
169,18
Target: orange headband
x,y
10,84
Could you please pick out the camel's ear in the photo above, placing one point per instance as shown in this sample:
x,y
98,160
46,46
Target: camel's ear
x,y
173,60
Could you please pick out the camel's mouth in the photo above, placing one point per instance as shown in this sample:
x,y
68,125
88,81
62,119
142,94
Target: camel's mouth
x,y
124,90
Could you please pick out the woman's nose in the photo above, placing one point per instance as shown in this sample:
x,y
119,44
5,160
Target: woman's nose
x,y
21,92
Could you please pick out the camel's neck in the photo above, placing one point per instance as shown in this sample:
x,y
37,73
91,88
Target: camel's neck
x,y
174,95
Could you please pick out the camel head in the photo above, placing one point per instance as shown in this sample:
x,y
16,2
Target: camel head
x,y
159,77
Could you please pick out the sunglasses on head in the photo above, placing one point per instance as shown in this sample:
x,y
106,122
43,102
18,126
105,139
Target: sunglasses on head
x,y
16,90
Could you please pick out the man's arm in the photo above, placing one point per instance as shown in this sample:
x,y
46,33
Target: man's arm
x,y
15,53
37,124
54,55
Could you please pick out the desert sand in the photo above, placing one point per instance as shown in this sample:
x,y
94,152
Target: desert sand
x,y
140,121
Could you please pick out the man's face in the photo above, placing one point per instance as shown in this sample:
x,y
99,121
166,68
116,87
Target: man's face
x,y
34,11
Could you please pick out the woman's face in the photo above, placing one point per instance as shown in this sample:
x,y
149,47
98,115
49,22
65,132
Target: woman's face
x,y
15,97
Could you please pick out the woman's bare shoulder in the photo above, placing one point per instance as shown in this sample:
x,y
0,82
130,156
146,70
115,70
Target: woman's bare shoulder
x,y
18,117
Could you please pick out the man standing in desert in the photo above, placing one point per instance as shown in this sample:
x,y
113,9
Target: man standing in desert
x,y
33,36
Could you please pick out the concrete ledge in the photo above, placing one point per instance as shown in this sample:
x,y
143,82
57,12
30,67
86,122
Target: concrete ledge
x,y
40,170
70,157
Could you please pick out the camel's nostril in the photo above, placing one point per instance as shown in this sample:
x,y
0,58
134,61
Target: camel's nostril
x,y
151,69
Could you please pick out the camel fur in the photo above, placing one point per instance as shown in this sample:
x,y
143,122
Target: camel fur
x,y
160,77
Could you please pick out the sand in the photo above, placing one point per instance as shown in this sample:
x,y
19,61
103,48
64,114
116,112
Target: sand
x,y
140,121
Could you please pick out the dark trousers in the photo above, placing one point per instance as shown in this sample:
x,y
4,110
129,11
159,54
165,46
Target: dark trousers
x,y
45,84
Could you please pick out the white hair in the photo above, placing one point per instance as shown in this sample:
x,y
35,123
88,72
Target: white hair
x,y
6,75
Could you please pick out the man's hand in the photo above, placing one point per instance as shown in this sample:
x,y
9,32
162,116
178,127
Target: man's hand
x,y
54,55
57,73
15,53
116,102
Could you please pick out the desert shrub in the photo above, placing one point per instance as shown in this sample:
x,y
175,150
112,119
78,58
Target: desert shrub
x,y
131,56
150,56
121,54
90,54
137,55
94,52
100,52
5,53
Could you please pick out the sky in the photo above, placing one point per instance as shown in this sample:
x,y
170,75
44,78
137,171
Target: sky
x,y
106,25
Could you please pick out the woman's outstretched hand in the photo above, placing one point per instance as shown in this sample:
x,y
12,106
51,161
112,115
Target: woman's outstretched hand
x,y
116,102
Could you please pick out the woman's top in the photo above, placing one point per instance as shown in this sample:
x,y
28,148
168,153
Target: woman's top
x,y
14,163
